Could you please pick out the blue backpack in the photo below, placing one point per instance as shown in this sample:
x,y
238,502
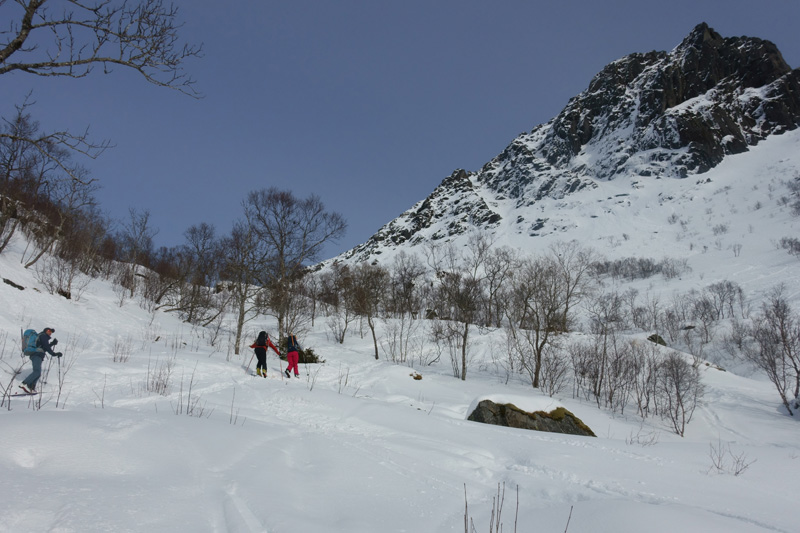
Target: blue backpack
x,y
30,342
291,344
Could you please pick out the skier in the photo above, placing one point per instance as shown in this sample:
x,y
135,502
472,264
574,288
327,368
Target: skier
x,y
292,355
260,348
43,345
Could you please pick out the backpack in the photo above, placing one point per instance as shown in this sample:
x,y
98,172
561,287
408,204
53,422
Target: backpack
x,y
30,342
291,344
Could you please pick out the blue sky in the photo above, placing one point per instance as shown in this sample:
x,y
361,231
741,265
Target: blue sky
x,y
367,104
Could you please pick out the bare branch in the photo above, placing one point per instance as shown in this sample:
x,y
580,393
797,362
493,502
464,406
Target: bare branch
x,y
142,36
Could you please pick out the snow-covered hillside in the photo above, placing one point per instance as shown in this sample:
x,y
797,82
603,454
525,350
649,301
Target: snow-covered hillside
x,y
151,424
726,223
358,445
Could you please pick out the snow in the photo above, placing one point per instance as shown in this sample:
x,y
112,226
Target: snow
x,y
358,445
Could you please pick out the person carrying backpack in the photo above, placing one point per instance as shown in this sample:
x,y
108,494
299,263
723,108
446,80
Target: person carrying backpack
x,y
43,345
260,348
292,355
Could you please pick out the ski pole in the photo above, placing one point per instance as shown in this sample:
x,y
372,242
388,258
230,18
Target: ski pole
x,y
247,370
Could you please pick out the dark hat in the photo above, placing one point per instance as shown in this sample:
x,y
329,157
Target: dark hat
x,y
51,329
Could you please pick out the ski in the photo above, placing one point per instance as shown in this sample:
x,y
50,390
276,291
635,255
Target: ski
x,y
21,394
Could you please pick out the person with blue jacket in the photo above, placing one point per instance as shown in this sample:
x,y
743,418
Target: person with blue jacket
x,y
43,345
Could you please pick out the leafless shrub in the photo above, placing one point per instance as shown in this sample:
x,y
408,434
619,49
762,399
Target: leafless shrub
x,y
681,390
646,362
234,417
159,376
344,376
11,364
495,518
445,336
101,396
338,322
555,371
62,277
73,348
192,407
725,461
401,340
122,349
633,268
642,438
122,283
775,346
311,378
791,245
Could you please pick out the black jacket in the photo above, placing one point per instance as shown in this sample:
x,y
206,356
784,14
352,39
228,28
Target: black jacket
x,y
44,343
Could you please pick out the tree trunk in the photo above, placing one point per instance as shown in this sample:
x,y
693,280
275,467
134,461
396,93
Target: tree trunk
x,y
464,338
8,234
240,323
374,337
41,253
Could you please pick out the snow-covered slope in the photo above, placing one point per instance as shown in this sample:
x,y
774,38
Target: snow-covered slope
x,y
354,444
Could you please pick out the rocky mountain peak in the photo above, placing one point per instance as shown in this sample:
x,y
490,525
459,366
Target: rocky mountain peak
x,y
651,115
748,61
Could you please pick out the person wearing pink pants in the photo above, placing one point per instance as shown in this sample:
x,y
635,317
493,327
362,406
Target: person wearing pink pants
x,y
292,355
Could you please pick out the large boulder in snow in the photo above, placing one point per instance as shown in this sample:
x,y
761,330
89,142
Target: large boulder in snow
x,y
558,420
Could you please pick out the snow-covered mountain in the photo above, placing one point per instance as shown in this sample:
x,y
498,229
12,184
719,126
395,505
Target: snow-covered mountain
x,y
148,423
649,128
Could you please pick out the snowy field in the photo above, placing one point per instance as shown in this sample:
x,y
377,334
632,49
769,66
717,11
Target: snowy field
x,y
358,445
354,444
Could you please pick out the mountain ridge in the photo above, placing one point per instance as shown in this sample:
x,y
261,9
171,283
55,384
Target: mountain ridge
x,y
644,117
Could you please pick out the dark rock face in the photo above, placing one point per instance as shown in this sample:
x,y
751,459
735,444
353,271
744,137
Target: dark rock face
x,y
653,115
558,421
711,96
454,200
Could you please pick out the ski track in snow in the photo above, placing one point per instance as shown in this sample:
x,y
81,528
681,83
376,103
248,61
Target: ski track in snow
x,y
238,516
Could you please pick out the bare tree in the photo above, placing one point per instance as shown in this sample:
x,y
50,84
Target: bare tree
x,y
573,263
499,267
337,284
606,318
136,244
776,346
70,38
724,297
406,277
369,289
460,289
682,390
239,262
73,38
536,312
64,201
36,191
202,264
291,234
647,364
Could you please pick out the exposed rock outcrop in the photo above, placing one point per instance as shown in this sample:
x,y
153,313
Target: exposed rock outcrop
x,y
559,420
